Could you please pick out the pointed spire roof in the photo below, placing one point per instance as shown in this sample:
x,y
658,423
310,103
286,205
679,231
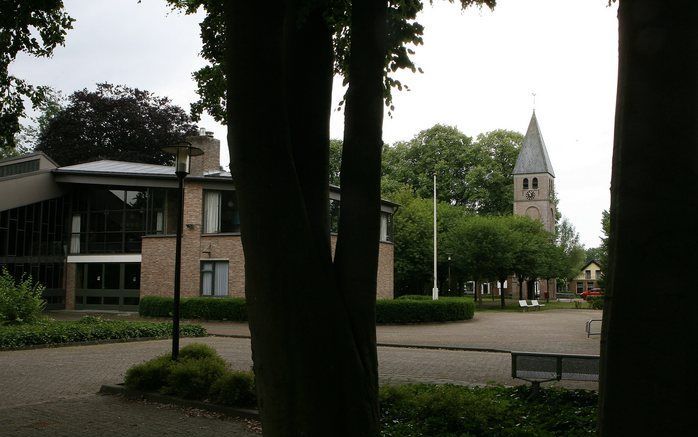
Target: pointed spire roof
x,y
533,156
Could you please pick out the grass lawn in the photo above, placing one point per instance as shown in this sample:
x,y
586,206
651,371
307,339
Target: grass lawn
x,y
489,304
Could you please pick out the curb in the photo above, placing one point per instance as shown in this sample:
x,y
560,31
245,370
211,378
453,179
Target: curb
x,y
404,346
243,413
444,347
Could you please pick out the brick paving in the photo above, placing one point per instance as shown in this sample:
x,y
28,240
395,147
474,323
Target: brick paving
x,y
52,391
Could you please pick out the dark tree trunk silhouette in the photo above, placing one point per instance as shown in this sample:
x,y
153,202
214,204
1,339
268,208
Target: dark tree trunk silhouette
x,y
649,331
312,321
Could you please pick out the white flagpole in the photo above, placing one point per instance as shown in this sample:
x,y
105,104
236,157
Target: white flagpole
x,y
435,290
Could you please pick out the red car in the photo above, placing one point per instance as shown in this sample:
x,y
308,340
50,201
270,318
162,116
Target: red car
x,y
591,293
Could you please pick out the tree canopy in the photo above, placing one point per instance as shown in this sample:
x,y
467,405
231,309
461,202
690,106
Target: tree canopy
x,y
403,34
34,28
474,174
113,122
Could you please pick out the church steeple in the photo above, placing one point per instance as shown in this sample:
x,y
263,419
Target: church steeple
x,y
533,157
534,179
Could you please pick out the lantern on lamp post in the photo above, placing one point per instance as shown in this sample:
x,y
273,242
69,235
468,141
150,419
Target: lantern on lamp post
x,y
183,152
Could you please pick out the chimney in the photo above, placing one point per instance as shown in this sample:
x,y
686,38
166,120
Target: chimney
x,y
210,161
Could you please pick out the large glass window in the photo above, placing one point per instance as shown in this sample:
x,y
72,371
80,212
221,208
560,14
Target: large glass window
x,y
220,212
214,278
103,285
113,220
34,230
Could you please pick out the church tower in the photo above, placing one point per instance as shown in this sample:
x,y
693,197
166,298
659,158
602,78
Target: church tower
x,y
534,179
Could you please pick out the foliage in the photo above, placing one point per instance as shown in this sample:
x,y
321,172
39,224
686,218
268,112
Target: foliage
x,y
596,302
573,253
234,389
114,122
413,230
387,311
47,332
191,378
414,297
603,256
34,28
206,308
20,301
445,309
404,33
448,410
476,175
335,161
199,373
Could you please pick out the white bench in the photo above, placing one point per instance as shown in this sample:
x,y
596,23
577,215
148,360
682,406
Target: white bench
x,y
524,305
535,304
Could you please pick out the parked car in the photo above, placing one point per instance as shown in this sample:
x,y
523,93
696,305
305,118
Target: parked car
x,y
591,293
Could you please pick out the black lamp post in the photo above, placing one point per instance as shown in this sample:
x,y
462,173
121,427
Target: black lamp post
x,y
183,152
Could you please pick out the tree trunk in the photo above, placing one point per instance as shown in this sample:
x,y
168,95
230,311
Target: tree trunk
x,y
311,344
356,257
649,330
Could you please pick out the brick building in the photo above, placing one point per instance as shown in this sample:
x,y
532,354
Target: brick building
x,y
100,235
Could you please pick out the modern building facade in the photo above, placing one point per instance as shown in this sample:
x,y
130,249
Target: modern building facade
x,y
101,235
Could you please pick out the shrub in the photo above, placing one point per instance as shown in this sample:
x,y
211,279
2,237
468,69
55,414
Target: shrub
x,y
236,389
207,308
595,302
199,373
191,378
448,410
88,329
414,297
421,311
20,301
151,375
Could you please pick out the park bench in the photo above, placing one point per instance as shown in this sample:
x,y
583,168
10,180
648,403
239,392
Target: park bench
x,y
535,304
588,327
538,367
524,305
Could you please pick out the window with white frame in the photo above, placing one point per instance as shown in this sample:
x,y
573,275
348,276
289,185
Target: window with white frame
x,y
220,212
214,278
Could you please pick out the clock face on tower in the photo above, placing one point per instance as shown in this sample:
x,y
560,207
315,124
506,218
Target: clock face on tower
x,y
530,194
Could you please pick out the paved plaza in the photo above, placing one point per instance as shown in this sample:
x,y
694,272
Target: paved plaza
x,y
52,391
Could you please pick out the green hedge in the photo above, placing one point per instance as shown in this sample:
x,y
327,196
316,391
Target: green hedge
x,y
49,332
205,308
445,309
404,310
414,297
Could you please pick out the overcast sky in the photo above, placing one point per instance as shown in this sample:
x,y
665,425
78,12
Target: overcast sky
x,y
480,69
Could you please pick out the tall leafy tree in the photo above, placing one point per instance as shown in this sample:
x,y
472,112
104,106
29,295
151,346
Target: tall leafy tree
x,y
491,180
475,174
113,122
298,297
441,150
35,28
481,248
645,385
571,252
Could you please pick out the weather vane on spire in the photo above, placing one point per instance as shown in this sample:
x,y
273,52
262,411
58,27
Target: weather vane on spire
x,y
534,100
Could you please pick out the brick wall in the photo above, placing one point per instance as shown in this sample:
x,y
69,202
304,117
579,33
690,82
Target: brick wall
x,y
157,267
70,277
